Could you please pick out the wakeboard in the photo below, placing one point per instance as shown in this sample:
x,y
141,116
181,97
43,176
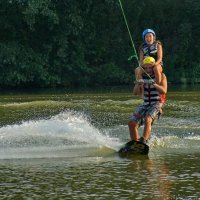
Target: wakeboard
x,y
134,147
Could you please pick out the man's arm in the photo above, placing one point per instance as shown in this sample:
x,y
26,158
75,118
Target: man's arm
x,y
162,87
138,89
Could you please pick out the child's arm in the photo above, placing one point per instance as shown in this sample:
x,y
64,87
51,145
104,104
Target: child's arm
x,y
141,57
159,54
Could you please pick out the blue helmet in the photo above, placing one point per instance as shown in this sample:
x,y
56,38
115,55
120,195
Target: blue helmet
x,y
148,31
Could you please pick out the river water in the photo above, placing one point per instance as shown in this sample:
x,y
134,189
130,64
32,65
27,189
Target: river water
x,y
64,146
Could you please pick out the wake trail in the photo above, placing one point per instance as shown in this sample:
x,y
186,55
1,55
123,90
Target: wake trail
x,y
67,130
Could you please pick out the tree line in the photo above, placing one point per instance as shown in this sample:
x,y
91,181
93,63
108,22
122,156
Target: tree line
x,y
73,43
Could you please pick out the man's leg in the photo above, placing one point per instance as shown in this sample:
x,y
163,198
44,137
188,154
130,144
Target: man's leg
x,y
133,129
152,114
147,127
134,122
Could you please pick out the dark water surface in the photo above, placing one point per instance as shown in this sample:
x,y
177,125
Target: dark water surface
x,y
64,146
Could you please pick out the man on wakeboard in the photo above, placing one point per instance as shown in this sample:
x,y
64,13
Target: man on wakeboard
x,y
154,97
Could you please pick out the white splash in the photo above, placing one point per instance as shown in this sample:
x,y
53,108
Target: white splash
x,y
63,131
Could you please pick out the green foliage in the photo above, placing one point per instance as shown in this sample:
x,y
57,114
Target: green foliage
x,y
21,66
49,43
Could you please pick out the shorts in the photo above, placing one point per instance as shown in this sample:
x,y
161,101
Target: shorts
x,y
144,110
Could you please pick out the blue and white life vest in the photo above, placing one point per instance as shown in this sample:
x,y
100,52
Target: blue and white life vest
x,y
150,50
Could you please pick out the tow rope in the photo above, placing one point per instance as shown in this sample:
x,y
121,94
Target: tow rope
x,y
132,43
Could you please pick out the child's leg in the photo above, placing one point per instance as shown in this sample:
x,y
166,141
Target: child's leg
x,y
138,73
158,73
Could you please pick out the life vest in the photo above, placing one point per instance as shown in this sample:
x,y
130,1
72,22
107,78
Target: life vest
x,y
151,94
150,50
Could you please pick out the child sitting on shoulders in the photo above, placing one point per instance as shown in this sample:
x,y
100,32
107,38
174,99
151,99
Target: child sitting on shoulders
x,y
153,48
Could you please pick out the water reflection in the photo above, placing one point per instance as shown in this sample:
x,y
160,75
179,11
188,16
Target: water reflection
x,y
151,178
112,177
